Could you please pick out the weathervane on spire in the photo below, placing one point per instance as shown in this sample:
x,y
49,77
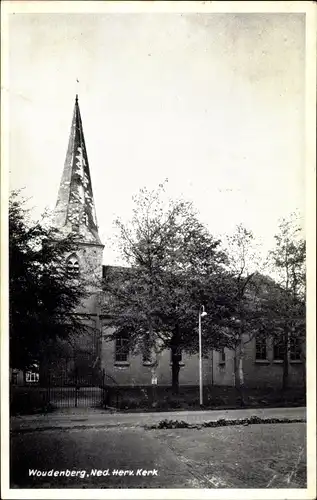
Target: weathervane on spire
x,y
77,94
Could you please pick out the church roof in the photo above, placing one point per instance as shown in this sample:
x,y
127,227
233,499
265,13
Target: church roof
x,y
75,208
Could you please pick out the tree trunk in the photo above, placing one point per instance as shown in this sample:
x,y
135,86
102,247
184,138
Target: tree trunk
x,y
176,358
154,384
238,371
175,374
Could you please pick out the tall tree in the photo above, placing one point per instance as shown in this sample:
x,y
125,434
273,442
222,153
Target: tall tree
x,y
248,286
174,264
43,299
287,318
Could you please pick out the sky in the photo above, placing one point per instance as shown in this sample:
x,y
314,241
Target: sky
x,y
213,102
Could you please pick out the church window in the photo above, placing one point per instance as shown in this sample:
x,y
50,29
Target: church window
x,y
295,349
72,266
222,357
260,349
278,350
122,348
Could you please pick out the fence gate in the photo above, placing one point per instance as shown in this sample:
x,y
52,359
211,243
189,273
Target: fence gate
x,y
75,382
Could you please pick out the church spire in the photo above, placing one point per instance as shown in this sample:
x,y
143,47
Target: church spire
x,y
75,208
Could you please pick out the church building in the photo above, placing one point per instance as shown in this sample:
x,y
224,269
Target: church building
x,y
76,212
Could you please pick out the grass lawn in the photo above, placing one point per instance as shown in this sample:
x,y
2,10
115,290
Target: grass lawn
x,y
138,398
27,400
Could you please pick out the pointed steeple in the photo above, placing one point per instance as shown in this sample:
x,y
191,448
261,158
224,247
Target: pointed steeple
x,y
75,209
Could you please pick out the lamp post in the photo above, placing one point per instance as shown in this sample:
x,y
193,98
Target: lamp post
x,y
202,313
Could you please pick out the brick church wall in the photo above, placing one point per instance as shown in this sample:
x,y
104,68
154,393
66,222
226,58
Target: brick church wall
x,y
257,373
136,373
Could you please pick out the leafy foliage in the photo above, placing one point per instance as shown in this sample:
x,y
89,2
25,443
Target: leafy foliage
x,y
175,265
286,318
248,285
222,422
289,261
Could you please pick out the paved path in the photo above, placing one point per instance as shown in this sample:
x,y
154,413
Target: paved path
x,y
81,417
87,451
256,456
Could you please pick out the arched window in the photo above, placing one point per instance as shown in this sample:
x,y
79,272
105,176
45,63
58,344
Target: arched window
x,y
72,266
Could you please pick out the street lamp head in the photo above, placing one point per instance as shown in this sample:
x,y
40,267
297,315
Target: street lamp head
x,y
202,312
